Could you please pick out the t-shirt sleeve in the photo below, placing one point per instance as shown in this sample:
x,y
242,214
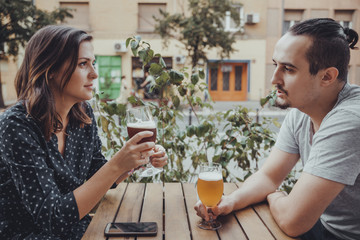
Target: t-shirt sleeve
x,y
335,151
286,140
26,160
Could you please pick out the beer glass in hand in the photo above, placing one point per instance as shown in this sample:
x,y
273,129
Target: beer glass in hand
x,y
210,188
140,119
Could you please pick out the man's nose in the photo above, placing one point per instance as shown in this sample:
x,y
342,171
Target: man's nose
x,y
276,77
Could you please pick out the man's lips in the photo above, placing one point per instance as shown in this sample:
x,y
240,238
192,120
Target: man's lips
x,y
280,91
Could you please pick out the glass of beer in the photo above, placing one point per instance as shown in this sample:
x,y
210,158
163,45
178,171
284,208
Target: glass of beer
x,y
140,119
210,188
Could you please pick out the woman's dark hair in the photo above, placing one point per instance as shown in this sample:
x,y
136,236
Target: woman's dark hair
x,y
50,49
331,43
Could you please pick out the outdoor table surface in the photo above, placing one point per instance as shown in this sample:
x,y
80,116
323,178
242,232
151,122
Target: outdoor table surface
x,y
171,205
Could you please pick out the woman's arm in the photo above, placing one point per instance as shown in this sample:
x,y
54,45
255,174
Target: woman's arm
x,y
129,157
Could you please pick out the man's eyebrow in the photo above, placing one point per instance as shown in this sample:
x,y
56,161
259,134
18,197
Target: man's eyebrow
x,y
286,64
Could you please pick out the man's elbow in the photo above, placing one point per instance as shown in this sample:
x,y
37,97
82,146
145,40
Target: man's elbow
x,y
293,227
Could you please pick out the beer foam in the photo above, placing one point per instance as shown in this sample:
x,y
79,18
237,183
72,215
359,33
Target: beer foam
x,y
210,176
145,124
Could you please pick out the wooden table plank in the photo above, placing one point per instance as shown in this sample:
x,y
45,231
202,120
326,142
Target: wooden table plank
x,y
191,199
231,228
251,223
105,213
176,223
131,204
264,212
152,210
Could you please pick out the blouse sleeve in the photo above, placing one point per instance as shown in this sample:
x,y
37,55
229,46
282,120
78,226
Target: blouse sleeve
x,y
25,157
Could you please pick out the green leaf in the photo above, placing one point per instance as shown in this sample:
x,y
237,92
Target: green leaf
x,y
202,74
263,101
194,78
155,69
162,79
176,101
176,77
134,47
127,42
182,90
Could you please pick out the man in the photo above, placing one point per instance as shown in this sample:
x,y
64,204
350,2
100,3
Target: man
x,y
322,129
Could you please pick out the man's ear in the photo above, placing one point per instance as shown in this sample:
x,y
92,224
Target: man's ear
x,y
329,76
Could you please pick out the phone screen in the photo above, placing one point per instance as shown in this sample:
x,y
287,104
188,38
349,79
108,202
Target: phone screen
x,y
131,228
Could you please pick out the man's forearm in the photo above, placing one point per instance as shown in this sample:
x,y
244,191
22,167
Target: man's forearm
x,y
255,189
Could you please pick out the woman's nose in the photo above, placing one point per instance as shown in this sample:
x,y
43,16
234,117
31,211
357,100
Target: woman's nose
x,y
93,74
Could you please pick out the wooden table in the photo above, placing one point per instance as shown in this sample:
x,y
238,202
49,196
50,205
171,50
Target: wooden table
x,y
171,205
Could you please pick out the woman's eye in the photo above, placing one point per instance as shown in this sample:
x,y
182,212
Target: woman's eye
x,y
82,64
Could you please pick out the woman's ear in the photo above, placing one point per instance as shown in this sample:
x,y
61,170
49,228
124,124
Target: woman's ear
x,y
329,76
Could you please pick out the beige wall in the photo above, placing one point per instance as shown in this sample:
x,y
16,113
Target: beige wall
x,y
116,20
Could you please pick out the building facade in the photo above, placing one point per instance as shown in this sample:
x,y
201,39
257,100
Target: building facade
x,y
245,75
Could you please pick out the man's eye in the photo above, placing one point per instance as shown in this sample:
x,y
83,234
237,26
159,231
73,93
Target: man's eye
x,y
287,69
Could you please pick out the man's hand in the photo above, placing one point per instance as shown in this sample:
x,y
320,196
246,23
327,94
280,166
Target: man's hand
x,y
224,207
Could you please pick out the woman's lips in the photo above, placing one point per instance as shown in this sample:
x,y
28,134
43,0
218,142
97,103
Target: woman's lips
x,y
89,86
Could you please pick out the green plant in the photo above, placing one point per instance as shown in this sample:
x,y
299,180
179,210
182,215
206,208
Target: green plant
x,y
232,139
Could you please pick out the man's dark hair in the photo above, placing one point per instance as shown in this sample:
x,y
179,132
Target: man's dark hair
x,y
331,44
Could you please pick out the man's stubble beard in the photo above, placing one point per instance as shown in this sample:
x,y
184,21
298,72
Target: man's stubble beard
x,y
284,105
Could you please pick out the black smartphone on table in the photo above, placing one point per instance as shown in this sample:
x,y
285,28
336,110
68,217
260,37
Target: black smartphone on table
x,y
120,229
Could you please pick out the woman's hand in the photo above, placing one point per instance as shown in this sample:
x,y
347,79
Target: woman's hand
x,y
132,154
159,158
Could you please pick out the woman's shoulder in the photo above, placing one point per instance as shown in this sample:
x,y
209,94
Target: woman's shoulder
x,y
15,118
16,111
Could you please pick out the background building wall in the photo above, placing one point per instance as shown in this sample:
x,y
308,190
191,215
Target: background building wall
x,y
114,21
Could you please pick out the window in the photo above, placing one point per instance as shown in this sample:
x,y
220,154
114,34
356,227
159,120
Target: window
x,y
80,12
146,14
238,77
109,68
344,17
213,78
229,24
291,17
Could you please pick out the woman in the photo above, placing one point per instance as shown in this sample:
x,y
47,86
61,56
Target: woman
x,y
52,172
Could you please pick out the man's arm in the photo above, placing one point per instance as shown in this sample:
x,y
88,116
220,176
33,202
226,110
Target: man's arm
x,y
256,188
297,212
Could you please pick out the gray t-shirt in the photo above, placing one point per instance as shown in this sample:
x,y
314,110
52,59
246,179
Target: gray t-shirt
x,y
333,152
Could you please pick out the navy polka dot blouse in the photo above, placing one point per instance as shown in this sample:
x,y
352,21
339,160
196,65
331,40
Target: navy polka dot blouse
x,y
37,182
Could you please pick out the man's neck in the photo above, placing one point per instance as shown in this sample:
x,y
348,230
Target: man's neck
x,y
318,111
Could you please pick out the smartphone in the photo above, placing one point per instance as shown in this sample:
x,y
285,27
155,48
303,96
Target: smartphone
x,y
131,229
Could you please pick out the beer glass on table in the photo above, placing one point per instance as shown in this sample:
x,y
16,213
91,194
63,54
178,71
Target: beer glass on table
x,y
140,119
210,188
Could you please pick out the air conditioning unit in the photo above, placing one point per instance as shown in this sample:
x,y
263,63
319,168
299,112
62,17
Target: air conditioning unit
x,y
179,59
120,47
252,18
